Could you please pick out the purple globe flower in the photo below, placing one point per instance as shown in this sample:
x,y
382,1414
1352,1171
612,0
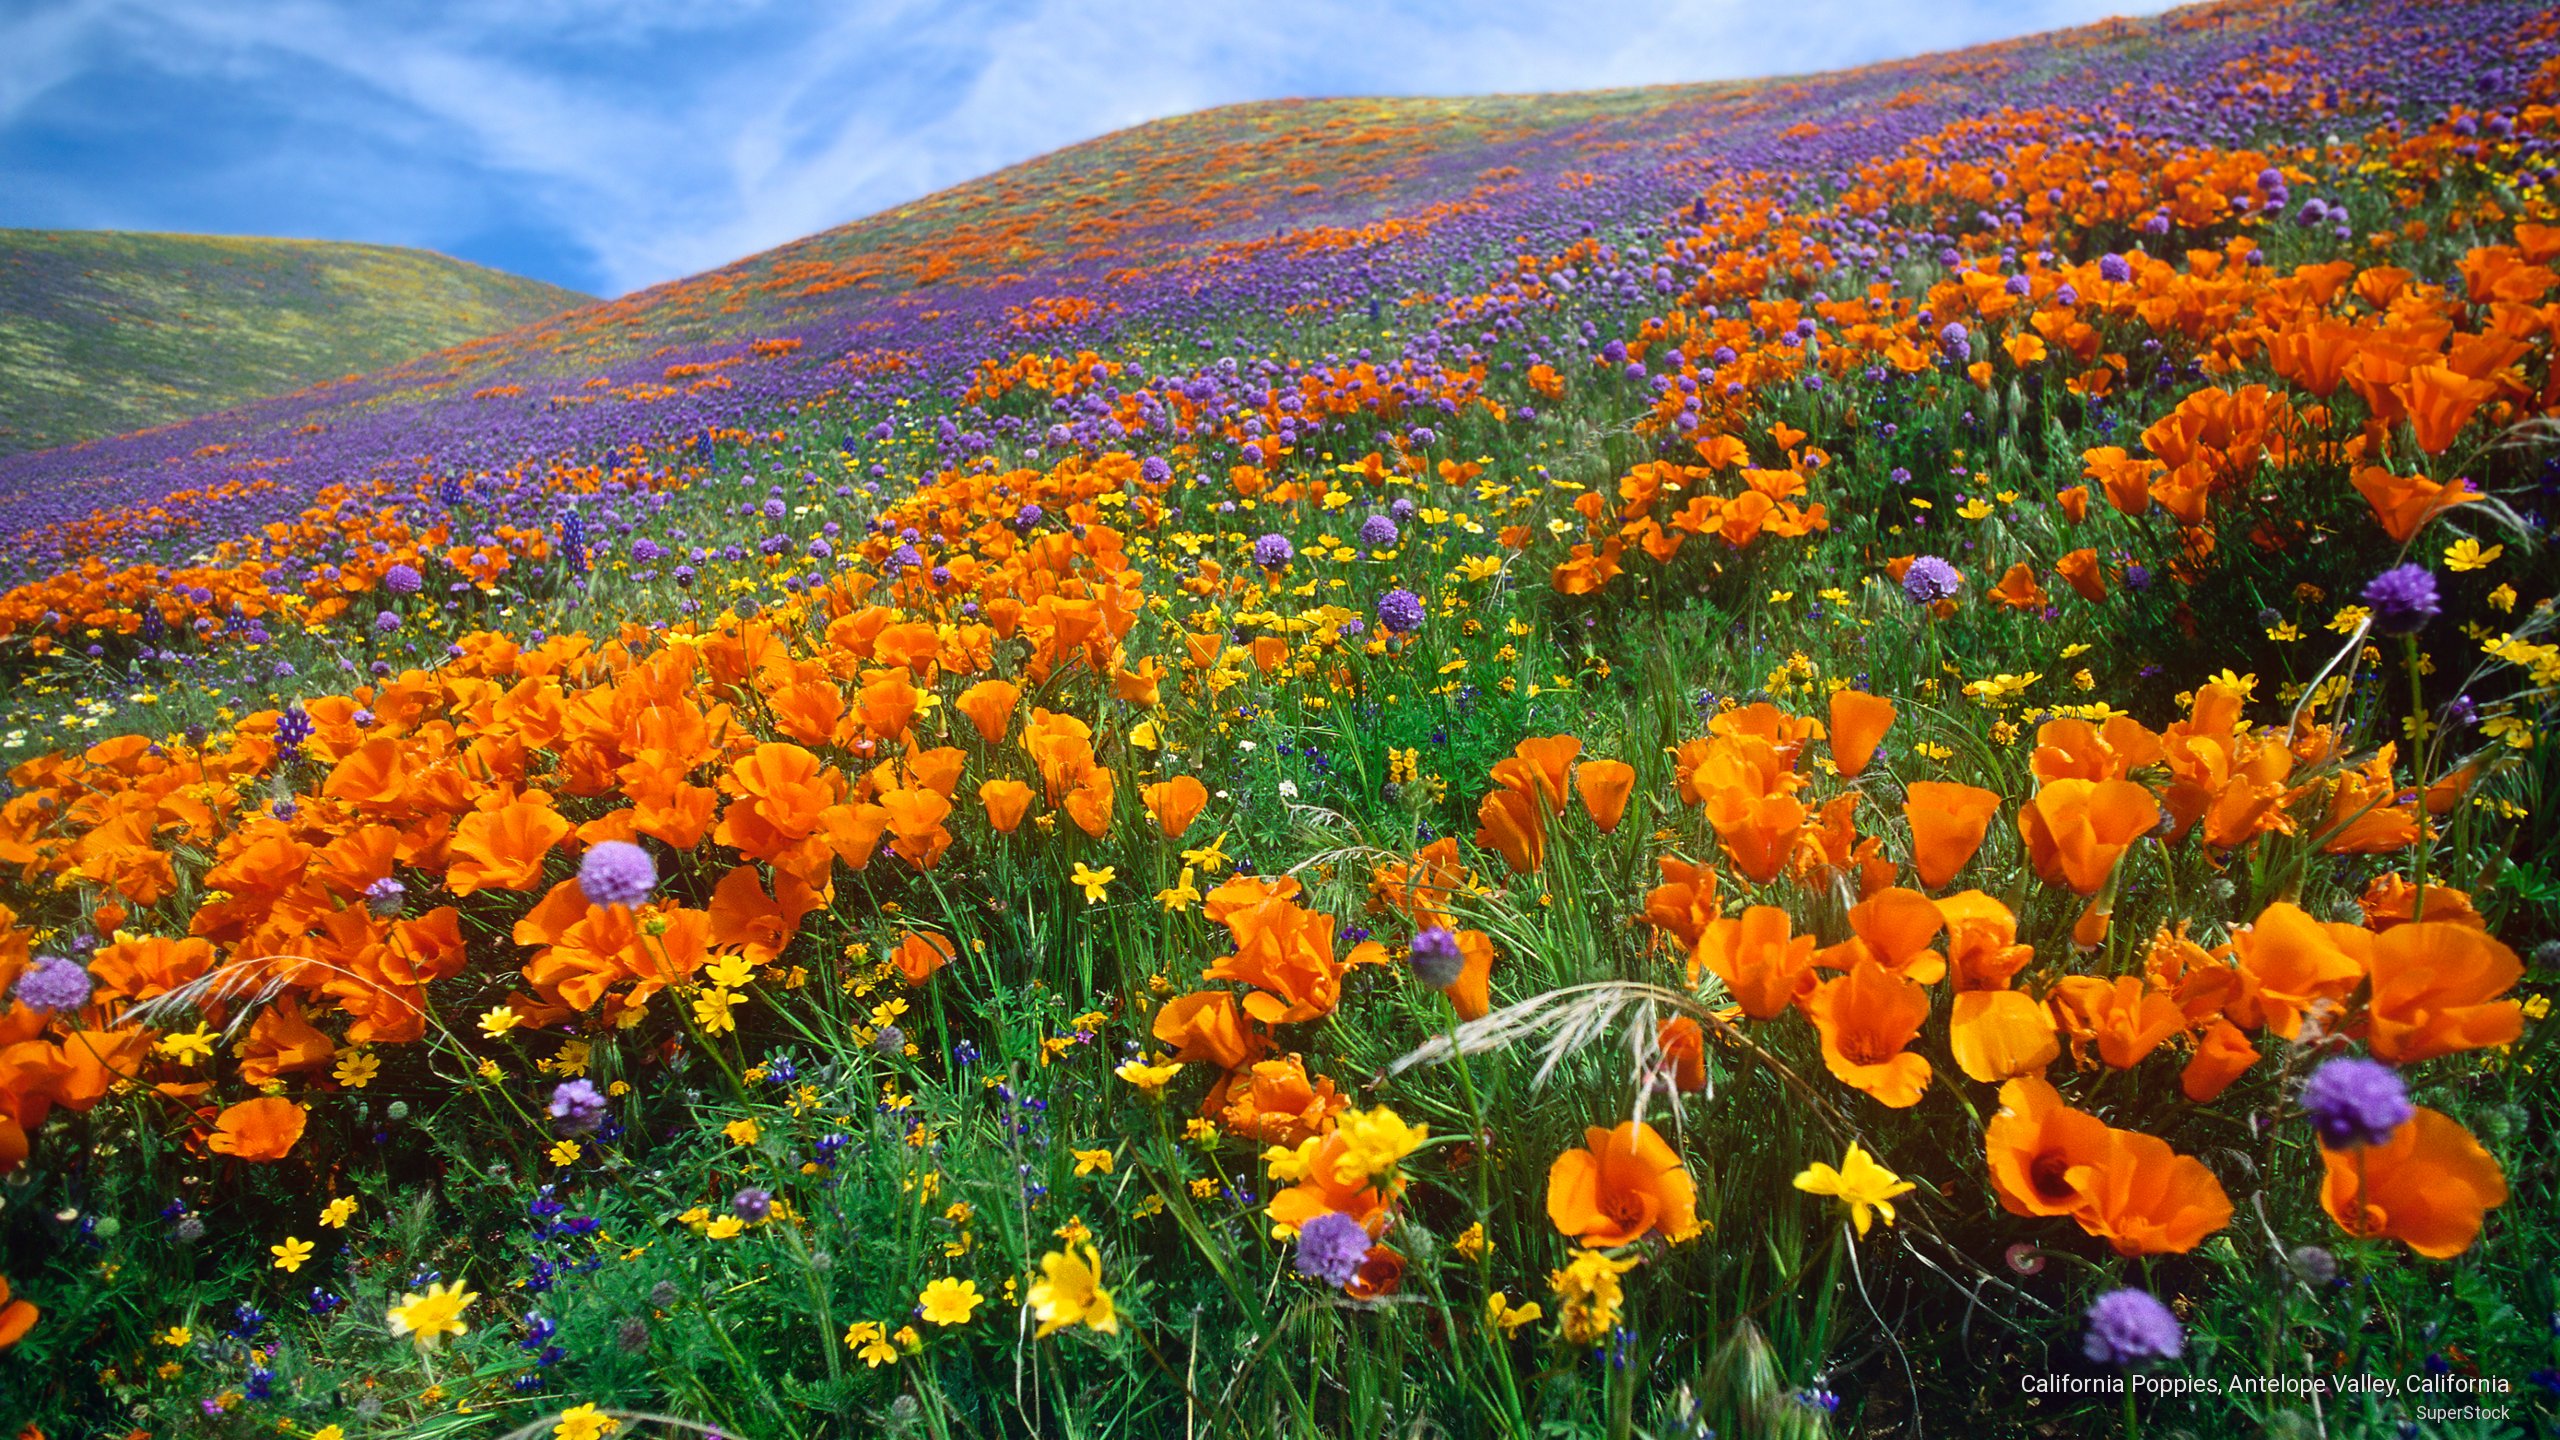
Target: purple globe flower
x,y
577,1107
617,872
403,579
1930,580
386,621
752,1203
2356,1102
1400,612
54,984
1437,960
2403,599
1377,532
1273,551
1331,1247
2127,1327
2114,268
385,897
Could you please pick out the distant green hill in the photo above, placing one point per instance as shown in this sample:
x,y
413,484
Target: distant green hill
x,y
104,332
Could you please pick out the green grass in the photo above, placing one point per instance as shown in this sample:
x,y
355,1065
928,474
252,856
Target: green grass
x,y
107,332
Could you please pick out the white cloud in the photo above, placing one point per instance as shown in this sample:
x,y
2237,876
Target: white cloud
x,y
667,138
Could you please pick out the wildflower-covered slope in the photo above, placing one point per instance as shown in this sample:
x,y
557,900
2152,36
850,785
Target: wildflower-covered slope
x,y
103,332
1769,759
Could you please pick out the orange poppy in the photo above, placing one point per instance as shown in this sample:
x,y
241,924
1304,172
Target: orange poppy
x,y
1830,851
782,793
1205,1025
920,953
1866,1018
2435,992
1538,765
1173,804
2127,1019
261,1129
2078,750
1420,888
1472,991
2291,967
2222,1056
1751,803
1893,928
2428,1187
282,1042
2201,983
1624,1184
1329,1183
1999,1035
1604,786
1684,1050
2150,1200
2043,1156
937,770
1276,1103
1764,968
1512,823
2391,900
1089,803
1006,801
1858,723
2440,400
1982,941
888,701
17,1317
1381,1273
851,833
1684,904
503,848
2081,571
915,818
2405,503
1283,950
2126,479
2076,830
1948,822
1141,687
1785,735
2018,589
742,918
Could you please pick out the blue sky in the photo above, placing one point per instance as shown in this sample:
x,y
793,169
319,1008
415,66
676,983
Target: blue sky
x,y
607,146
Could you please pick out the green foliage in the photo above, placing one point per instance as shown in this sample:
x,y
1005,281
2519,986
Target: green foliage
x,y
105,332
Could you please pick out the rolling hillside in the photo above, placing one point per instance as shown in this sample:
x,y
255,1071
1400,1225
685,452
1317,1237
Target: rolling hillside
x,y
104,332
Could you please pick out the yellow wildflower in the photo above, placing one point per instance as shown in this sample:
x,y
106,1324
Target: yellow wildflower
x,y
1860,1183
949,1302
